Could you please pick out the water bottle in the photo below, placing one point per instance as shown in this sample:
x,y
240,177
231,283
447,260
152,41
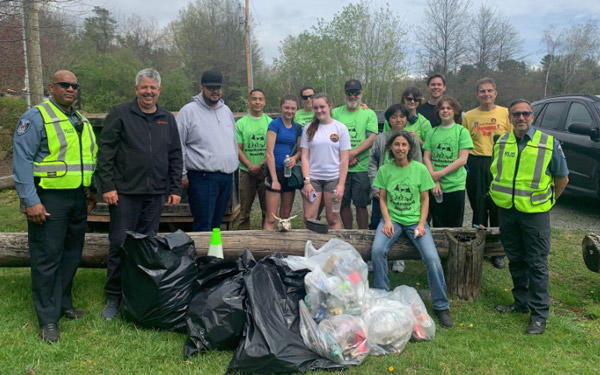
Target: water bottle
x,y
287,171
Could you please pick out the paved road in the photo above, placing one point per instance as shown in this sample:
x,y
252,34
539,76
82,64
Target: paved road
x,y
572,211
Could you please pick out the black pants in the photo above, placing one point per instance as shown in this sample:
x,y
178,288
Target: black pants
x,y
55,250
138,213
478,186
449,213
375,214
526,241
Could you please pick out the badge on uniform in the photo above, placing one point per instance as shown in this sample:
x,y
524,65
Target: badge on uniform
x,y
23,126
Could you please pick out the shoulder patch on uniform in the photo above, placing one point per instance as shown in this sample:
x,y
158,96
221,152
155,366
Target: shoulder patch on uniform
x,y
23,126
560,151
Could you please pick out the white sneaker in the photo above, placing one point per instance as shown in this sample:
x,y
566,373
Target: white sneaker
x,y
398,266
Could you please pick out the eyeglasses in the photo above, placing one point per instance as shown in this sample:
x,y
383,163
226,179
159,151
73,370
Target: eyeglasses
x,y
411,99
306,97
525,114
66,85
353,93
213,88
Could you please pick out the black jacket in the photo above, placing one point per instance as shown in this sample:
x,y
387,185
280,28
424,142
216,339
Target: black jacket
x,y
139,153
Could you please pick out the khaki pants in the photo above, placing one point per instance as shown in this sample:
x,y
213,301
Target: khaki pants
x,y
250,185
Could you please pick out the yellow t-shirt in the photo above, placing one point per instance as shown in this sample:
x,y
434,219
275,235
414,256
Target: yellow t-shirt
x,y
483,126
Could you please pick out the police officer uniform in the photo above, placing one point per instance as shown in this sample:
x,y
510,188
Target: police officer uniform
x,y
54,158
523,172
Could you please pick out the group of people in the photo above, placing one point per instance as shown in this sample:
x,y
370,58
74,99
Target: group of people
x,y
414,173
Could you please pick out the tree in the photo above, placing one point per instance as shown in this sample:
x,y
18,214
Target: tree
x,y
445,34
357,43
569,53
493,39
100,29
209,34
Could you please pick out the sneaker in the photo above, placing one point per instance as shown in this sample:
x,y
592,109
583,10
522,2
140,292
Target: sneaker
x,y
536,327
111,309
498,262
444,318
49,333
398,266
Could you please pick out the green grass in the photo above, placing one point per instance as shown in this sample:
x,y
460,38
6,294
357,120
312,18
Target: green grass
x,y
482,341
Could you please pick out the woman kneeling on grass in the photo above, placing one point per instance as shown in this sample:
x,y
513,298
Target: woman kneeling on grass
x,y
283,135
404,201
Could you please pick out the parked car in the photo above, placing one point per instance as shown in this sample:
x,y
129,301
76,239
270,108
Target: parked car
x,y
575,121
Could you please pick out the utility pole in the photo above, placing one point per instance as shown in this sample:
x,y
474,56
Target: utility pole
x,y
26,78
248,57
34,56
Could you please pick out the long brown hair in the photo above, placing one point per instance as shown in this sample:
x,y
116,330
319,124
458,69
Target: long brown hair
x,y
314,123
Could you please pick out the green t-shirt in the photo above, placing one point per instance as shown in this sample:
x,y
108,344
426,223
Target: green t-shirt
x,y
445,145
422,126
252,134
404,187
358,123
303,118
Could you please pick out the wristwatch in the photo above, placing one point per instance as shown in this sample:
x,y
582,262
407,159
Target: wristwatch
x,y
306,179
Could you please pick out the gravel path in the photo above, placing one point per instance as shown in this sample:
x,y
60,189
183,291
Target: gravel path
x,y
572,211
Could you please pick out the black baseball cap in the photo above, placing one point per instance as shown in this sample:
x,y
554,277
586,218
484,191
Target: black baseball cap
x,y
212,78
352,84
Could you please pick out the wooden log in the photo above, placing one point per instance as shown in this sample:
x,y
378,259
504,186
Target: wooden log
x,y
464,265
590,248
14,251
7,182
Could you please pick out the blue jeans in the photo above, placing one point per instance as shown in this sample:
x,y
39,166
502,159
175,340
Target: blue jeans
x,y
429,254
208,195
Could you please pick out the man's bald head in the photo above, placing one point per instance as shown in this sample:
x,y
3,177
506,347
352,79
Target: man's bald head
x,y
64,89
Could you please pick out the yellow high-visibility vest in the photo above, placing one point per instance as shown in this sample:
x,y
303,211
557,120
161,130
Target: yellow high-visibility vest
x,y
72,159
520,180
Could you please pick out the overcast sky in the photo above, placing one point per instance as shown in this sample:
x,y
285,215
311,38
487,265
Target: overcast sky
x,y
276,19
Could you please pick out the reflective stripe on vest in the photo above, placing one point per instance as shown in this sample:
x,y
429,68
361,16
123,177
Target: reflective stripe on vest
x,y
525,186
72,158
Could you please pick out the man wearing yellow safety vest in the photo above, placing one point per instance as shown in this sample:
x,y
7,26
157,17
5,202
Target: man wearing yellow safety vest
x,y
529,173
54,158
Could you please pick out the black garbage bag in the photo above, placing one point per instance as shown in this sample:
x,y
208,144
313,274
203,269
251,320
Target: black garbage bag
x,y
157,279
216,314
272,341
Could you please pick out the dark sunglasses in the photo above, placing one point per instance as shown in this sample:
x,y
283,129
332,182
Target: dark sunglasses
x,y
213,88
525,114
66,85
306,97
411,99
353,92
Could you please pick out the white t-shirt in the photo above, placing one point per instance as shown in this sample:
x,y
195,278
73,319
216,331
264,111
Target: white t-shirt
x,y
324,149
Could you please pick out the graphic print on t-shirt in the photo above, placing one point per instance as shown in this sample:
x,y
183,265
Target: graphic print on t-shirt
x,y
256,146
487,128
443,154
402,197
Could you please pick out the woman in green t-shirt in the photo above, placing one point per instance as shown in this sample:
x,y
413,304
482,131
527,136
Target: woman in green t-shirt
x,y
446,152
416,123
404,202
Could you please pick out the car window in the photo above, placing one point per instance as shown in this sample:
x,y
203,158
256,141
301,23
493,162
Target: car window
x,y
537,110
578,113
552,116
